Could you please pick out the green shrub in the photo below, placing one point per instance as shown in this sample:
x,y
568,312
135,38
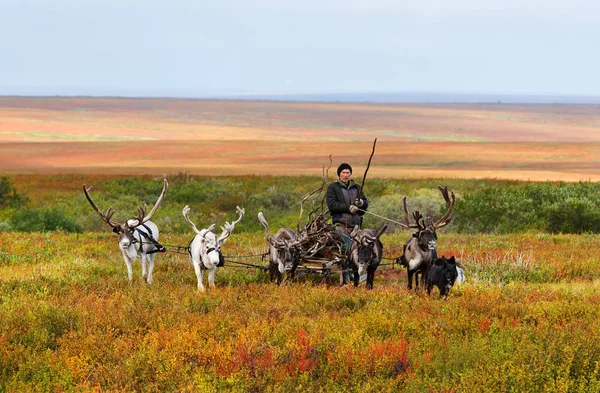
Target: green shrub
x,y
548,207
9,197
4,226
428,202
44,220
482,206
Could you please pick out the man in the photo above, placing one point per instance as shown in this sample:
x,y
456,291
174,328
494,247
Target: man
x,y
345,205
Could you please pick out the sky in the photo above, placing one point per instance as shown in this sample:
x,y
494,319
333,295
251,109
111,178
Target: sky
x,y
200,48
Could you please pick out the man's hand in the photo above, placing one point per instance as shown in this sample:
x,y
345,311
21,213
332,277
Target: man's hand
x,y
353,209
359,202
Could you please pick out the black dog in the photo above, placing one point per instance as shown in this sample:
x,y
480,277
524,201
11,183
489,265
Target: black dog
x,y
442,274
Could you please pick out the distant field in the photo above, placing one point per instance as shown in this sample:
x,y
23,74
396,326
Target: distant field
x,y
155,136
525,320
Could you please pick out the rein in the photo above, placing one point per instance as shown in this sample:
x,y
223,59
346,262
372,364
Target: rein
x,y
384,218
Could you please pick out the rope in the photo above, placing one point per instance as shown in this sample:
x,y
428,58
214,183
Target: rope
x,y
249,256
246,265
403,225
320,270
178,251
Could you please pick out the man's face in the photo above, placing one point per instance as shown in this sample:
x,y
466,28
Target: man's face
x,y
345,175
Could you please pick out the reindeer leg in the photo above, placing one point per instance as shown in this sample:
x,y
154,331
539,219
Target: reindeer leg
x,y
370,276
292,272
211,278
280,271
199,275
143,257
424,275
150,267
356,277
370,280
128,264
409,274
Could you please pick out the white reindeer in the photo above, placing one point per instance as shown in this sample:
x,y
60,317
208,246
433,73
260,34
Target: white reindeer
x,y
205,248
138,236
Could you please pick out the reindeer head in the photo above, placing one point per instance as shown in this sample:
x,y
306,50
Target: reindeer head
x,y
289,253
364,250
125,230
210,244
426,233
285,246
210,247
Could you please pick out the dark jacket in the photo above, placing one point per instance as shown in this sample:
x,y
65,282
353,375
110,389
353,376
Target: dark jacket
x,y
339,201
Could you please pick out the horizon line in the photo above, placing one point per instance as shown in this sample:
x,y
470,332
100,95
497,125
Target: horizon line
x,y
359,97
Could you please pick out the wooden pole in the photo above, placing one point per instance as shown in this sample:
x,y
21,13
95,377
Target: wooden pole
x,y
360,190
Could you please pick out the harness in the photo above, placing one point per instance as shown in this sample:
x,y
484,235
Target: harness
x,y
148,236
206,252
221,259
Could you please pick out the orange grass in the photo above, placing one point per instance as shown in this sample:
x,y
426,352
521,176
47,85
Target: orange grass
x,y
526,161
157,136
71,322
54,119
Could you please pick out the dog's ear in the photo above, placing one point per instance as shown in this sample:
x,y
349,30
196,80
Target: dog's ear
x,y
452,260
440,261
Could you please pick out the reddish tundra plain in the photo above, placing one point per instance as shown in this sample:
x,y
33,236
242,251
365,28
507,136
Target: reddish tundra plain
x,y
221,137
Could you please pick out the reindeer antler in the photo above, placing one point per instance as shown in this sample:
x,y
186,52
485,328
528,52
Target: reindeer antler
x,y
140,215
407,223
263,221
142,218
228,228
420,221
185,212
446,218
381,230
105,216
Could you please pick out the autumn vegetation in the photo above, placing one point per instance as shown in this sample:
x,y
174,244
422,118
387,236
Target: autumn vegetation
x,y
524,321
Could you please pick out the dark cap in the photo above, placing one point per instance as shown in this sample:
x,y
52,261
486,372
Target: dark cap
x,y
343,166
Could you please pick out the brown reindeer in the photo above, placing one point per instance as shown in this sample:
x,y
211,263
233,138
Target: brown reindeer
x,y
285,251
421,249
138,236
366,251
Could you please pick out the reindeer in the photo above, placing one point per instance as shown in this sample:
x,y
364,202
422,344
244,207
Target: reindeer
x,y
205,248
366,251
421,249
138,236
285,251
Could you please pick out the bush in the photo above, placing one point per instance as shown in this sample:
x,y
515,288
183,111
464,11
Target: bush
x,y
4,226
547,207
44,220
573,215
428,202
9,197
482,206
